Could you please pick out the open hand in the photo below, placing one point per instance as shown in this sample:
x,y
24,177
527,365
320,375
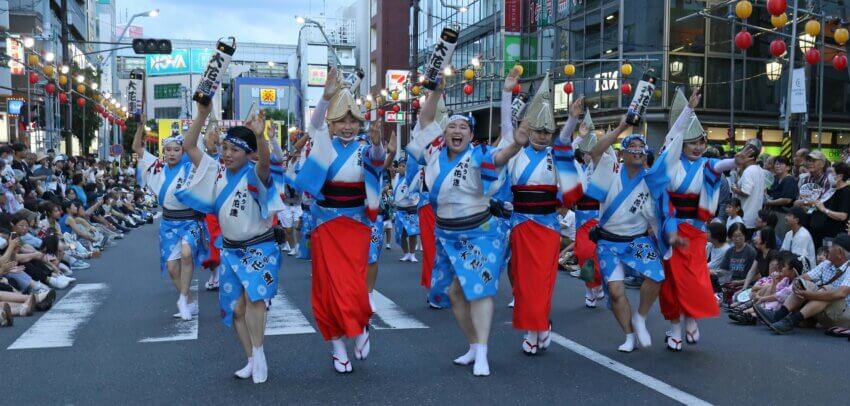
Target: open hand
x,y
257,124
391,144
577,107
511,80
696,96
332,84
521,134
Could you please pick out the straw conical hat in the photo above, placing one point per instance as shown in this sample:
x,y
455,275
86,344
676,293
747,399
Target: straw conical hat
x,y
540,114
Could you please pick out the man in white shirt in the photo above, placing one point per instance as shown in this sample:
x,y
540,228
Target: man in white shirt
x,y
750,187
798,240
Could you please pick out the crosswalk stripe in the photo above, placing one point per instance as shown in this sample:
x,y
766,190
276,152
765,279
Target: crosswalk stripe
x,y
283,318
392,315
58,327
181,330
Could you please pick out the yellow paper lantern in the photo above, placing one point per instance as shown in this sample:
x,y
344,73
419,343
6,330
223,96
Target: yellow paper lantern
x,y
81,88
519,67
779,21
469,74
626,69
394,94
63,80
48,70
744,9
570,70
657,93
368,105
416,90
813,28
841,36
32,59
97,97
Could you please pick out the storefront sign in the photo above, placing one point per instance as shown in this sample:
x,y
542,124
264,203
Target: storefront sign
x,y
395,81
513,15
16,53
317,75
268,97
798,91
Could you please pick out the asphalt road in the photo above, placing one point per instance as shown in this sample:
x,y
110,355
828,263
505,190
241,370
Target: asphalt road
x,y
115,342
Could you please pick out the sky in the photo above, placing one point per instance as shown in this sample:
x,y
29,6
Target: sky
x,y
268,21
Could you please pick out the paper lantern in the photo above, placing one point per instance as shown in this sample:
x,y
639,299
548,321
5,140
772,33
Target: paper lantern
x,y
415,104
777,48
776,7
48,70
813,56
96,97
415,90
743,40
81,102
33,78
63,80
469,74
367,116
396,108
517,88
744,9
626,69
813,28
380,112
368,105
50,88
570,70
839,62
81,88
779,21
568,87
467,89
520,68
32,59
63,97
394,94
626,89
841,36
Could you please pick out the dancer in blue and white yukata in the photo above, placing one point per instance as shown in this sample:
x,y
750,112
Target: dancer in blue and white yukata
x,y
470,242
627,197
406,222
376,241
244,197
182,234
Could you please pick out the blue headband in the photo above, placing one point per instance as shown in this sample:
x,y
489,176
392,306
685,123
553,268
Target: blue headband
x,y
177,138
628,140
238,142
468,118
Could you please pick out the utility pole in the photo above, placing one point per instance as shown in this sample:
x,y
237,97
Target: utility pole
x,y
66,60
414,65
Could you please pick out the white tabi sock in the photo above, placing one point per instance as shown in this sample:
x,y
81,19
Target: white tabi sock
x,y
530,343
639,326
260,371
481,367
340,356
467,358
629,345
247,370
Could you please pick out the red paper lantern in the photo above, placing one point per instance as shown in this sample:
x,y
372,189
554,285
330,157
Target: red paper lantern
x,y
839,62
776,7
123,128
813,56
777,48
396,108
33,78
517,88
50,88
568,87
380,112
467,89
743,40
111,119
367,116
415,104
63,97
81,102
626,88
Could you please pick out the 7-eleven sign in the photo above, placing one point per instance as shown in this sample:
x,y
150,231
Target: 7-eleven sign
x,y
395,81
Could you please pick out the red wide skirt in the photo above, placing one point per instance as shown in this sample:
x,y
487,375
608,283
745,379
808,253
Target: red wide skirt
x,y
687,285
428,236
585,250
534,268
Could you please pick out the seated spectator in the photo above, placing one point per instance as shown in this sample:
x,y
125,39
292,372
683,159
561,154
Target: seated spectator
x,y
734,213
831,215
738,260
822,294
817,164
767,218
797,239
772,294
717,245
764,242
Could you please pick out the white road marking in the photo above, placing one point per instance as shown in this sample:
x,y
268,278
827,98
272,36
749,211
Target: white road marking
x,y
283,318
392,315
181,330
59,326
629,372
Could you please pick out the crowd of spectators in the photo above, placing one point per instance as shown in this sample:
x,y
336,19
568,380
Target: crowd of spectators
x,y
57,213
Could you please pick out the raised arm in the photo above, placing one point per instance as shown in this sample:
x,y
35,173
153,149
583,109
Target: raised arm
x,y
504,154
190,140
607,140
137,138
301,142
274,143
391,150
507,134
566,135
429,110
257,124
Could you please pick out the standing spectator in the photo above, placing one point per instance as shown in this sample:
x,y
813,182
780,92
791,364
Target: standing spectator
x,y
782,192
750,189
798,240
831,216
816,163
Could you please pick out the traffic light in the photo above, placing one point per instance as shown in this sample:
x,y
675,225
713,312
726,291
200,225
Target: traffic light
x,y
151,46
